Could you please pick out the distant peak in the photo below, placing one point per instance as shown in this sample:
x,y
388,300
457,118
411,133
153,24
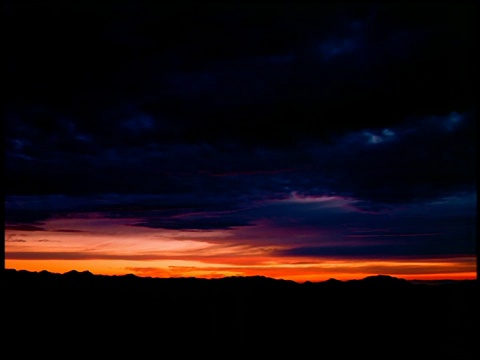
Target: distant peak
x,y
78,273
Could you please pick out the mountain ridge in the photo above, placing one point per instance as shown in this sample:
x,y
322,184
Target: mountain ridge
x,y
370,278
376,317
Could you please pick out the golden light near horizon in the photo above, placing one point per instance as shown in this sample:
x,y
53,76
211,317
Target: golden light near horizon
x,y
199,259
240,151
118,246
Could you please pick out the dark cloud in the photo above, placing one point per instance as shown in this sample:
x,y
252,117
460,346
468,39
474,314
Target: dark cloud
x,y
60,255
252,65
388,250
195,223
373,164
156,112
24,227
421,160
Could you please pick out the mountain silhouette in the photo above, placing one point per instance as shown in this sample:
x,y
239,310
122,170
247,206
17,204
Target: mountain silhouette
x,y
378,316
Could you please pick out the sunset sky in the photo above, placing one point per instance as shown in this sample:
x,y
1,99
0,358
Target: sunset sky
x,y
291,140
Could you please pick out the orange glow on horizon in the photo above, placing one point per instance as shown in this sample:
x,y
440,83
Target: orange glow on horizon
x,y
159,253
314,273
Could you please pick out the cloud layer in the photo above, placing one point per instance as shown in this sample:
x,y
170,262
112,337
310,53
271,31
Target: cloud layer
x,y
270,123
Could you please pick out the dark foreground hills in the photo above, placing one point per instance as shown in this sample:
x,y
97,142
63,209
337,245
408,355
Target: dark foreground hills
x,y
79,314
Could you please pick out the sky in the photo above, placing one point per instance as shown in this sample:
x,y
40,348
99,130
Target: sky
x,y
294,140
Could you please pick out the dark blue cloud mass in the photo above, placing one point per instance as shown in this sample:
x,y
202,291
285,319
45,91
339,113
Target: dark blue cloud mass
x,y
186,116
